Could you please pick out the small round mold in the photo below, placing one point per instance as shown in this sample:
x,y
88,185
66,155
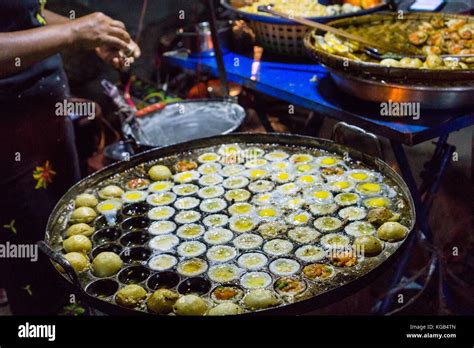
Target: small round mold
x,y
100,222
163,280
135,209
134,238
135,255
109,247
106,235
197,285
135,223
133,275
102,288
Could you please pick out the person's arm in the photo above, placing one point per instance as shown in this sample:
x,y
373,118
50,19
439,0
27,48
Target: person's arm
x,y
54,18
19,50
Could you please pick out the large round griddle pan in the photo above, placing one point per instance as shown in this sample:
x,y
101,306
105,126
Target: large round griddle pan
x,y
58,218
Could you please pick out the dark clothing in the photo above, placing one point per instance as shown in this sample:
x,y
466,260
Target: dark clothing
x,y
45,79
32,139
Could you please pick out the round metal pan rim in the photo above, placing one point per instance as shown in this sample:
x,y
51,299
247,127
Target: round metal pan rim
x,y
380,82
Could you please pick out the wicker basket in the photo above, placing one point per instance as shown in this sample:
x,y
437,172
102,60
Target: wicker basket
x,y
281,38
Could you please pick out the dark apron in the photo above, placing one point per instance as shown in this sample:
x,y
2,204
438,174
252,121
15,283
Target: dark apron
x,y
39,163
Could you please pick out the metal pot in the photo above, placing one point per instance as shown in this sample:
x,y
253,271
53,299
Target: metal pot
x,y
198,41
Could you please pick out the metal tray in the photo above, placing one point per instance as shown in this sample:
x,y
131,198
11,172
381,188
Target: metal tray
x,y
430,96
369,69
351,281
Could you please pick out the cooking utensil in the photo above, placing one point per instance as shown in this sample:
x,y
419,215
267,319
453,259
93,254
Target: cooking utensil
x,y
352,280
198,40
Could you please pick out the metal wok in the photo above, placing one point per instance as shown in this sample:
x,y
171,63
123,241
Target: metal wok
x,y
58,219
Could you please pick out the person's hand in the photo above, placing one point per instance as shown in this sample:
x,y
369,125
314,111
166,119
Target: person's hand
x,y
99,30
119,59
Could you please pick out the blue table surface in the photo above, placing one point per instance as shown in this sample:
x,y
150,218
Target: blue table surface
x,y
310,86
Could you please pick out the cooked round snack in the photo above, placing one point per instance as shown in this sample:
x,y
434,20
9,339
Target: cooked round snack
x,y
210,180
187,217
190,231
334,240
161,186
215,220
187,203
82,229
252,261
130,295
369,245
261,186
346,198
377,202
161,213
310,253
162,301
328,224
86,200
320,209
138,184
160,199
221,253
106,264
192,267
278,247
238,195
392,231
82,215
352,213
241,209
318,271
211,192
164,242
79,261
186,177
290,286
303,235
224,273
242,224
209,168
162,262
271,230
159,172
185,189
111,191
227,293
226,308
134,196
232,170
213,205
359,228
218,236
256,280
248,241
235,182
260,299
191,249
79,243
190,305
284,267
